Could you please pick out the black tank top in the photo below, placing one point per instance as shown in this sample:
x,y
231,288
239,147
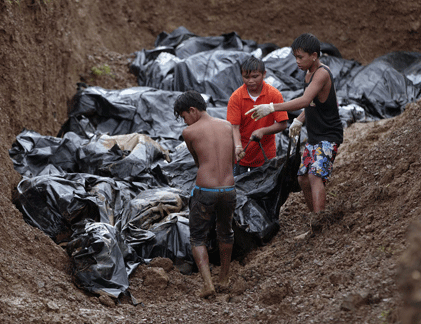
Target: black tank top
x,y
322,119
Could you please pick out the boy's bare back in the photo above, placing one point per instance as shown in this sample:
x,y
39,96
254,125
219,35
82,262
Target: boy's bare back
x,y
210,141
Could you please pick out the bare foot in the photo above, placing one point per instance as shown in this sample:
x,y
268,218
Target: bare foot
x,y
207,293
223,287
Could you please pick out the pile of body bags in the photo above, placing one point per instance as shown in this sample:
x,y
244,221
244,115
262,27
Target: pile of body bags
x,y
113,186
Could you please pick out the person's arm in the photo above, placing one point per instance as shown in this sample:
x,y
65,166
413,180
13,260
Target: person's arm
x,y
187,139
239,151
233,147
269,130
237,135
315,86
302,117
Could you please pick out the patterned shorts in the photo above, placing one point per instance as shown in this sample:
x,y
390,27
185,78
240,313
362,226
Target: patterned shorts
x,y
318,159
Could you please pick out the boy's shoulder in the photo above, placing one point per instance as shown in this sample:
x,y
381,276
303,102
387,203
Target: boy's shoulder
x,y
269,87
219,125
202,126
321,72
219,122
240,92
323,69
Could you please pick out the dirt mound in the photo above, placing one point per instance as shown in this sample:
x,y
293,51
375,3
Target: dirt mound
x,y
358,267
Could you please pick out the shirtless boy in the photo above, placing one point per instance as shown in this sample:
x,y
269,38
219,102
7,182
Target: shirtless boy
x,y
324,127
210,142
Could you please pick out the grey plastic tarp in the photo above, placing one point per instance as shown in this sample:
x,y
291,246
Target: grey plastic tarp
x,y
381,89
140,204
114,184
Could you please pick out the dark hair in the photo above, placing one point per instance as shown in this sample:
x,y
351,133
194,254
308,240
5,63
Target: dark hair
x,y
307,43
253,64
190,98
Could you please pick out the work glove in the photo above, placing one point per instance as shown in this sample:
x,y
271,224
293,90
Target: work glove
x,y
261,111
295,128
239,153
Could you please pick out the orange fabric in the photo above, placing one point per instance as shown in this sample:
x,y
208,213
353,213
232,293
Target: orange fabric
x,y
239,103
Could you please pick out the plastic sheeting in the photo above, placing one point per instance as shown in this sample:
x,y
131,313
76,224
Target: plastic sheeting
x,y
115,182
98,251
148,211
381,89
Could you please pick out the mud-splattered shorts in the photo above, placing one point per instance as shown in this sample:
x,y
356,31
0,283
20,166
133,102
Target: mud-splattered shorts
x,y
210,205
318,159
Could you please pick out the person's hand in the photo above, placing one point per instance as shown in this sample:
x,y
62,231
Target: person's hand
x,y
295,128
257,135
239,153
261,111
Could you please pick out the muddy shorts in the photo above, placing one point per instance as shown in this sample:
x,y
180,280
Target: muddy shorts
x,y
207,207
318,159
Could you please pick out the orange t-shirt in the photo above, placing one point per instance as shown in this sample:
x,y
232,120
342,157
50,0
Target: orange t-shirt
x,y
239,103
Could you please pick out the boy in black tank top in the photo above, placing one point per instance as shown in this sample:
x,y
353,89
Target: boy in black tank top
x,y
324,127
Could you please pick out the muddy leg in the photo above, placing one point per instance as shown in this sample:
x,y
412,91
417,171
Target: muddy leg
x,y
306,188
225,251
201,258
318,193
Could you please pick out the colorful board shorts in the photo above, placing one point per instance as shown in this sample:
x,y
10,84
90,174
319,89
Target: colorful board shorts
x,y
207,207
318,159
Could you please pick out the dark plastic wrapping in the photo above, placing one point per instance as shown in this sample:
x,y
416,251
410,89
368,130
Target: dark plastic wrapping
x,y
119,205
102,261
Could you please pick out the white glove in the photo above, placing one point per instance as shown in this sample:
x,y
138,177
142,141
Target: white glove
x,y
261,111
295,128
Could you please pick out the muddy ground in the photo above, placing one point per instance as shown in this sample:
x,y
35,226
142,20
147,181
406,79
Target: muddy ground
x,y
363,265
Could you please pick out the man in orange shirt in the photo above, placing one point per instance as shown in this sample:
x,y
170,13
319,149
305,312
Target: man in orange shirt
x,y
254,91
